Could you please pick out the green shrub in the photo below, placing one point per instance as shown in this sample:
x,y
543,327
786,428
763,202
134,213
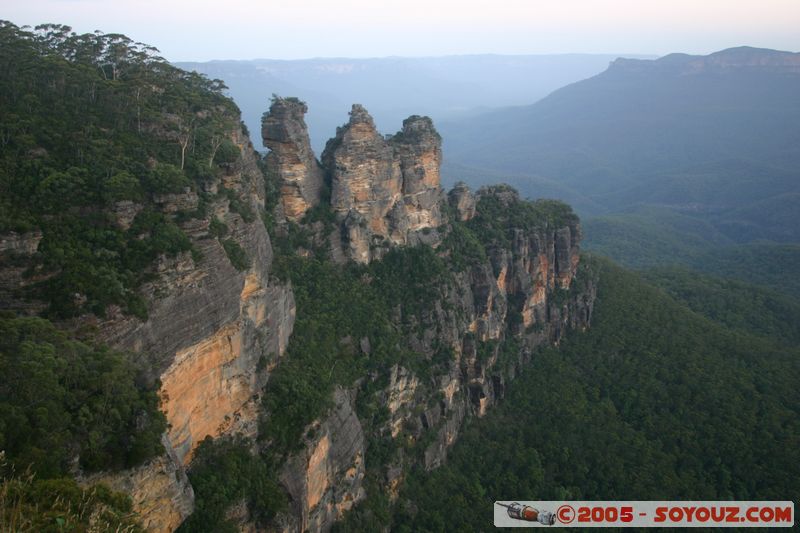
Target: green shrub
x,y
217,228
122,186
236,254
61,399
28,504
166,178
223,472
227,153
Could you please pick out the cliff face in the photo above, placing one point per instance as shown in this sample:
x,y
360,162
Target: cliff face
x,y
326,479
385,191
291,158
489,316
475,320
493,318
209,331
462,201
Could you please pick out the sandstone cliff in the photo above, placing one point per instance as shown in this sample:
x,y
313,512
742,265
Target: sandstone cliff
x,y
462,200
491,320
386,191
291,158
208,327
326,479
217,325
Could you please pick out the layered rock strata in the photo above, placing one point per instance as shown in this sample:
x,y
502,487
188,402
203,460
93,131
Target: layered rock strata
x,y
385,190
209,331
326,479
291,158
214,333
462,201
527,294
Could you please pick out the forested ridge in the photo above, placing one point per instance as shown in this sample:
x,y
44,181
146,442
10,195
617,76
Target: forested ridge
x,y
653,402
89,124
339,306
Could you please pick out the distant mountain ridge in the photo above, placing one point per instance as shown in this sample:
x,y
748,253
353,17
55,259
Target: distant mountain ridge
x,y
741,57
716,136
393,88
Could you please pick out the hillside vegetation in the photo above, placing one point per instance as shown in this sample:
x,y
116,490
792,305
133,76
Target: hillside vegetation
x,y
89,124
653,402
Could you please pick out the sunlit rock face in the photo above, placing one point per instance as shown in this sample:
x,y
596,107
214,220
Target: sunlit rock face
x,y
385,190
291,158
215,333
159,490
325,479
212,336
523,295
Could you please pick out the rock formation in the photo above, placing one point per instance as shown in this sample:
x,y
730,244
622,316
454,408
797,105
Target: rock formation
x,y
526,293
215,331
326,479
462,200
385,191
299,176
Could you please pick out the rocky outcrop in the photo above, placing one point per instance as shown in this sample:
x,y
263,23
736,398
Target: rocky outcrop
x,y
526,296
326,479
490,318
290,158
214,333
125,212
159,489
481,326
15,251
385,191
20,243
462,201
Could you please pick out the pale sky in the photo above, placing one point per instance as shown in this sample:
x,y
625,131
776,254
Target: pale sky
x,y
199,30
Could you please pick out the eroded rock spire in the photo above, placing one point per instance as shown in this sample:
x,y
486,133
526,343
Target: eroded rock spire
x,y
386,191
284,132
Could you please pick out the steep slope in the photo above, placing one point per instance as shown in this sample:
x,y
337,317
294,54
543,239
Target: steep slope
x,y
714,137
413,313
136,222
317,332
130,198
629,409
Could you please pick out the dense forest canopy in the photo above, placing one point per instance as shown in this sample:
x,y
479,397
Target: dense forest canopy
x,y
90,124
653,402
